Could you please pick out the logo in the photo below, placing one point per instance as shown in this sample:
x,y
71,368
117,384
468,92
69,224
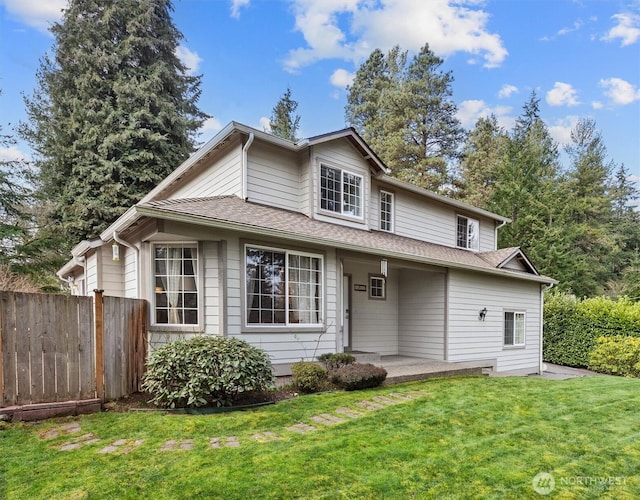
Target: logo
x,y
543,483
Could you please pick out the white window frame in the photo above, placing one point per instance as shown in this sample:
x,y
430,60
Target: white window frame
x,y
517,342
469,243
197,282
380,284
342,193
286,324
390,211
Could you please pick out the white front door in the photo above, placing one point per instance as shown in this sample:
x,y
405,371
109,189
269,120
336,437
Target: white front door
x,y
346,310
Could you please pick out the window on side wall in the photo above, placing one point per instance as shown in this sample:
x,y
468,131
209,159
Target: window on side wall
x,y
340,191
468,233
377,287
386,211
514,329
176,284
282,287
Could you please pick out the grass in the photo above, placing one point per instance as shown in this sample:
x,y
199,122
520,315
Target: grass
x,y
465,437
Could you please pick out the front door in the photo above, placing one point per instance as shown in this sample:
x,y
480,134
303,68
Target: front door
x,y
346,310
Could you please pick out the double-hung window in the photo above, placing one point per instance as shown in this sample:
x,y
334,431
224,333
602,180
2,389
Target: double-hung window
x,y
176,284
386,211
468,233
340,191
282,287
514,329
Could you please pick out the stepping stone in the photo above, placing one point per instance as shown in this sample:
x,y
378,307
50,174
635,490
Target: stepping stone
x,y
118,446
384,400
400,396
266,437
177,444
79,442
231,442
369,405
301,428
327,419
349,412
71,428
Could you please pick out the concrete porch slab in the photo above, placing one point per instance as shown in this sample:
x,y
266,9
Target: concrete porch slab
x,y
407,369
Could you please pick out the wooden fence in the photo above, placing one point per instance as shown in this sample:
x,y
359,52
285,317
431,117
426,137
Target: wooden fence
x,y
56,348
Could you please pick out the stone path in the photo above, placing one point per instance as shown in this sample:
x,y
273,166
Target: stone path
x,y
317,422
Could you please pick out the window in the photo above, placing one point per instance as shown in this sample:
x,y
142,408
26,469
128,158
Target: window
x,y
513,329
176,284
386,211
282,287
340,191
377,287
467,233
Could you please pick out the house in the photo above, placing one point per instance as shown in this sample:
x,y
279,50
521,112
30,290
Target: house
x,y
311,247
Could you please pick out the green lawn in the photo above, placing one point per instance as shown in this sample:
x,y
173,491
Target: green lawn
x,y
462,437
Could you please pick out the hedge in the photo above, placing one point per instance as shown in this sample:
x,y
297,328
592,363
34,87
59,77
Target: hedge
x,y
572,326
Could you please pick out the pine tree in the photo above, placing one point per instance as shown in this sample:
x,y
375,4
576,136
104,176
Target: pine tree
x,y
113,114
406,113
283,122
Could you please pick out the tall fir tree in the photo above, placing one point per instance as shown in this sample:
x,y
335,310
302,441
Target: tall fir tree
x,y
405,111
114,112
284,122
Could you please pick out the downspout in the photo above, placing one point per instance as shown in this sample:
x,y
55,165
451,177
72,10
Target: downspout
x,y
245,167
542,290
120,241
496,237
82,262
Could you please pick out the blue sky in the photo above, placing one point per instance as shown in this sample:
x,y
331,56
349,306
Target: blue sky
x,y
581,57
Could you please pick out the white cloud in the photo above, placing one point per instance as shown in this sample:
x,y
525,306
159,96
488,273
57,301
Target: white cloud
x,y
562,94
469,112
507,91
351,29
12,153
597,105
39,14
577,25
341,78
620,91
211,125
627,29
236,5
190,59
265,124
561,129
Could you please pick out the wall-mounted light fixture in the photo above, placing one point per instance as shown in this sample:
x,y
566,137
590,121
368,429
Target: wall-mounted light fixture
x,y
115,252
482,314
384,268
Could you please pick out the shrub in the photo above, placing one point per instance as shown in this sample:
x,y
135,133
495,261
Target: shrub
x,y
205,370
335,360
358,376
617,355
308,377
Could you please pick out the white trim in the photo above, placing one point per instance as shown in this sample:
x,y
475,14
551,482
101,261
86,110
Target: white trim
x,y
475,248
515,313
343,171
392,211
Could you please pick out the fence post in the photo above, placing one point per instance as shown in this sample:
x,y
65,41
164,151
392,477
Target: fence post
x,y
99,319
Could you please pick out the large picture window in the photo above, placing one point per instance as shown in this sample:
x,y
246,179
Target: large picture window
x,y
514,329
282,287
340,191
176,284
468,233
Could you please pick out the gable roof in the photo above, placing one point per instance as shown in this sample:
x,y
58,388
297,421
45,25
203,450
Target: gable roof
x,y
505,256
232,213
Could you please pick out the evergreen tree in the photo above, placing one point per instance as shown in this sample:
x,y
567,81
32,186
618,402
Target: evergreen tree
x,y
114,112
283,122
406,113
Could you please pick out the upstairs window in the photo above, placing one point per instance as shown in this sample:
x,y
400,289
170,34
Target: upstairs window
x,y
340,191
468,233
176,284
513,329
386,211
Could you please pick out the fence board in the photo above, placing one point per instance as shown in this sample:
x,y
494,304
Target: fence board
x,y
46,305
35,349
86,350
8,331
24,330
73,350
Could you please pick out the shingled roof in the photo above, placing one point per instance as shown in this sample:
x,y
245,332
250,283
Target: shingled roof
x,y
231,212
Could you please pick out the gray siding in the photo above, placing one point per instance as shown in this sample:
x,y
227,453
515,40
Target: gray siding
x,y
273,176
130,273
211,292
470,338
421,314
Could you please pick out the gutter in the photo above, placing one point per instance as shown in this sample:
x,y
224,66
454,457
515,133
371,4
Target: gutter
x,y
122,242
245,166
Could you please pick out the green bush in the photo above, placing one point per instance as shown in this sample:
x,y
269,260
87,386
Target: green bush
x,y
335,360
572,326
205,370
308,376
358,376
616,355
